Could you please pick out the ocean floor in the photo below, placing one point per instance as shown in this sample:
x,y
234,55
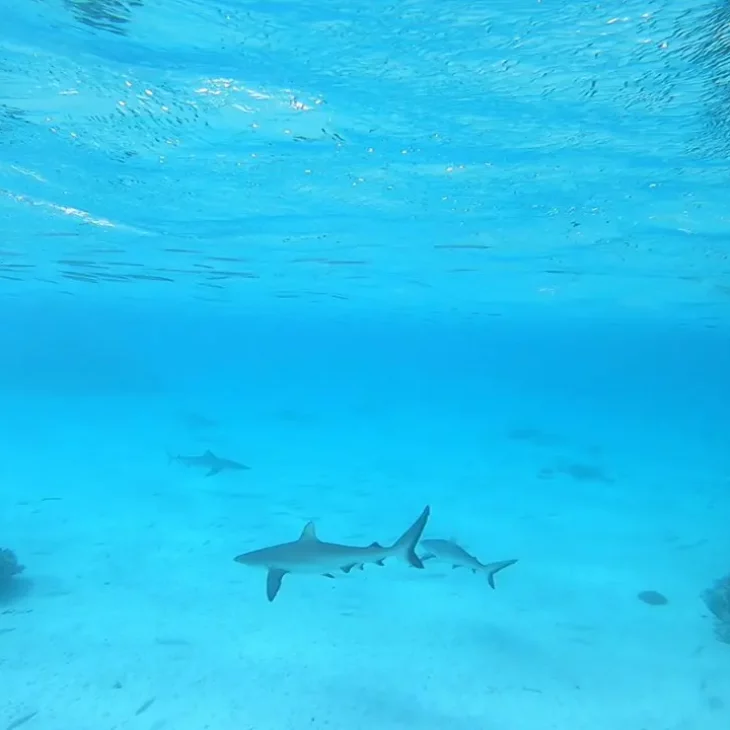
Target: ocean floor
x,y
132,614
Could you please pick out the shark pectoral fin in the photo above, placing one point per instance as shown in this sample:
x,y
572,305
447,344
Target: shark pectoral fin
x,y
273,582
213,471
494,568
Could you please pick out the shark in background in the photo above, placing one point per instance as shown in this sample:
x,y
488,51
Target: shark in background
x,y
448,551
209,461
310,555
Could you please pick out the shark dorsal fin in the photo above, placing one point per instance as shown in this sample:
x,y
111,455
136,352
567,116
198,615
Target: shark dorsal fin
x,y
208,452
308,533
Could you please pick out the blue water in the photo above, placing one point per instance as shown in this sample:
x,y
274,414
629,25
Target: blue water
x,y
470,256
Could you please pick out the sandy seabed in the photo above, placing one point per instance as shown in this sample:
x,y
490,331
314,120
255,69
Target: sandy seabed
x,y
132,614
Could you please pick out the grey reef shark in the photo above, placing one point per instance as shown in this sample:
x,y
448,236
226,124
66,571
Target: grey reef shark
x,y
447,551
310,555
208,460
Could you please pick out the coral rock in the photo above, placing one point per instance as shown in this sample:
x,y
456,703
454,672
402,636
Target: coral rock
x,y
717,600
9,565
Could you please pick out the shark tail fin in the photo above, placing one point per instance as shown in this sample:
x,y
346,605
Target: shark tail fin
x,y
170,458
405,546
492,569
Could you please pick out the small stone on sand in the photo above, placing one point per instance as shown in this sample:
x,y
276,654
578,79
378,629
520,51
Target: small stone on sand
x,y
653,598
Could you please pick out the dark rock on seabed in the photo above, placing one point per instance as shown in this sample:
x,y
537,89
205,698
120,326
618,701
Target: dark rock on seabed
x,y
9,565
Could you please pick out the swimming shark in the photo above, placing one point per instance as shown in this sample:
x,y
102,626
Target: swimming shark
x,y
448,551
214,464
311,555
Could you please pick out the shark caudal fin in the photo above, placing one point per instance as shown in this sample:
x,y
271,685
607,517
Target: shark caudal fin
x,y
491,569
405,547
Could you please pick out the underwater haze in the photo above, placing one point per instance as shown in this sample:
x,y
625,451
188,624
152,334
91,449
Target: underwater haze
x,y
364,366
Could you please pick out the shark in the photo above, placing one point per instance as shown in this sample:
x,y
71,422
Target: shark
x,y
208,460
309,554
448,551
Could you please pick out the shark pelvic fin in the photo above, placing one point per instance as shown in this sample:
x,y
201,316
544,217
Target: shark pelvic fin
x,y
273,582
213,471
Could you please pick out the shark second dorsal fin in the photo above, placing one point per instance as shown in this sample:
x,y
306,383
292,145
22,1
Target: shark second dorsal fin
x,y
308,533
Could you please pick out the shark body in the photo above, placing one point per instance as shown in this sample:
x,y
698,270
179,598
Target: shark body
x,y
208,460
448,551
311,555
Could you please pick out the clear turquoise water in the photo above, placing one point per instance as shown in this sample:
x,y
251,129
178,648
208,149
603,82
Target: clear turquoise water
x,y
386,255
